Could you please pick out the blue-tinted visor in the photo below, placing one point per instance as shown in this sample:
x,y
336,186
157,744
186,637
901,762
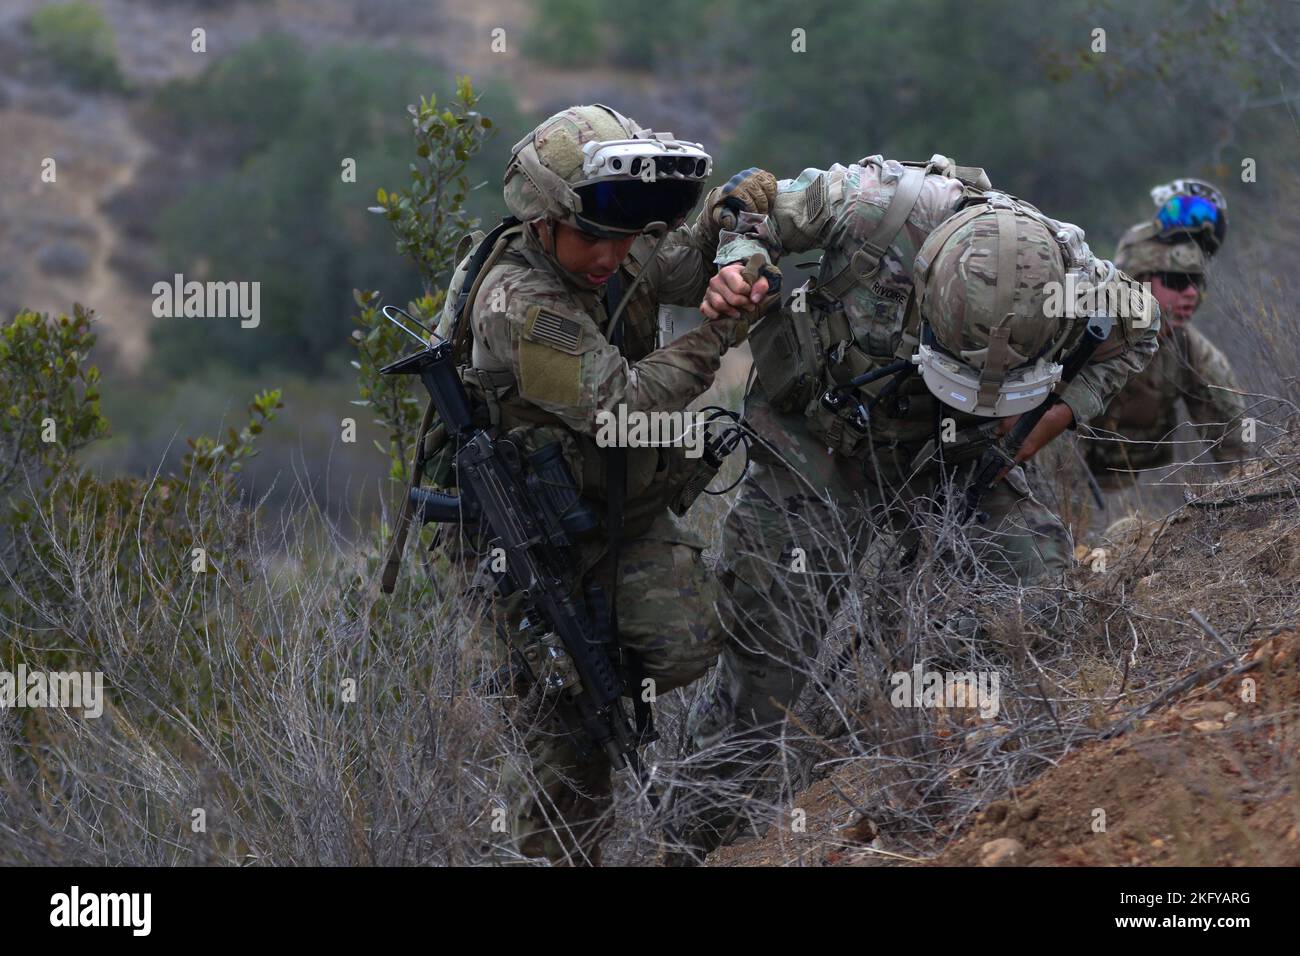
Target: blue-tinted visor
x,y
1192,214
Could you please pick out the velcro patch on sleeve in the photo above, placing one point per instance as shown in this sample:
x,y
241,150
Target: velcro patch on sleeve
x,y
815,198
557,331
548,374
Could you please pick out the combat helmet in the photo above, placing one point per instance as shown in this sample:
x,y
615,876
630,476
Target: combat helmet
x,y
983,284
1142,251
596,169
1191,209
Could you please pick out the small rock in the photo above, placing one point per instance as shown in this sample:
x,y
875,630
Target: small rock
x,y
1207,726
1029,812
1002,852
995,812
1206,710
864,831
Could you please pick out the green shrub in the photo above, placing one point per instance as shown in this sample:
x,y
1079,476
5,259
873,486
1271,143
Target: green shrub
x,y
55,508
429,217
274,206
78,40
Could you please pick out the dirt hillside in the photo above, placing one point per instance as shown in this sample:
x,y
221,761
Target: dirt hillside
x,y
1194,760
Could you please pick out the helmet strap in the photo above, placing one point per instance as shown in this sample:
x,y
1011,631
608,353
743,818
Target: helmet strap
x,y
994,371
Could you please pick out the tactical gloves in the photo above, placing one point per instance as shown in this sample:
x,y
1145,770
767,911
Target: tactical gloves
x,y
750,190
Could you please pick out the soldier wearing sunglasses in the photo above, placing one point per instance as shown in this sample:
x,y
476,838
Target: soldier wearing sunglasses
x,y
1171,254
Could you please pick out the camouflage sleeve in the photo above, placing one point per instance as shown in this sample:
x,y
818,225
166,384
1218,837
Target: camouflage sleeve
x,y
1212,407
822,209
1127,352
563,364
807,212
681,269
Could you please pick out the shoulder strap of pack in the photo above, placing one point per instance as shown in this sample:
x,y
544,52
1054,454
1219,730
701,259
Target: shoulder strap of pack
x,y
484,257
866,260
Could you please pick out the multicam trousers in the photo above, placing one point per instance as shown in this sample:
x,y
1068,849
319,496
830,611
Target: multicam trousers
x,y
560,804
800,519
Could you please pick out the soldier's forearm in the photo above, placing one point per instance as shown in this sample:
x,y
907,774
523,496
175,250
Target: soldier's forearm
x,y
665,380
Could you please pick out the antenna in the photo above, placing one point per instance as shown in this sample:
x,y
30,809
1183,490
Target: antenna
x,y
427,331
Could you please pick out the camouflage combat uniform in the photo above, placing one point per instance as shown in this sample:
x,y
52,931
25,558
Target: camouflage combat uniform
x,y
1188,366
543,364
810,456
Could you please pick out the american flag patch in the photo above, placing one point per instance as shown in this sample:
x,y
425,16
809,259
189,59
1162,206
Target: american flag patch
x,y
815,198
555,330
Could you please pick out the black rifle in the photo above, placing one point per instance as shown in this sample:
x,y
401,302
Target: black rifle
x,y
530,508
1001,454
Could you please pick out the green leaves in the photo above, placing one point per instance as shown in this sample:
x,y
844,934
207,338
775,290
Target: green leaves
x,y
428,219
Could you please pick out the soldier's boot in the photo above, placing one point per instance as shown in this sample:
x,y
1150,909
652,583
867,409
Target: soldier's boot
x,y
725,789
561,806
712,805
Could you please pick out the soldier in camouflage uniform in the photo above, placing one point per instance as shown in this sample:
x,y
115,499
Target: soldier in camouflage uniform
x,y
546,361
905,246
1171,251
1134,432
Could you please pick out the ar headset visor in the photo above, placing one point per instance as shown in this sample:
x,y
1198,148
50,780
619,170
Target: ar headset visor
x,y
632,186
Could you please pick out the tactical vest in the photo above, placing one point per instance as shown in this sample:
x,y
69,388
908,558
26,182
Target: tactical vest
x,y
654,475
861,317
1144,413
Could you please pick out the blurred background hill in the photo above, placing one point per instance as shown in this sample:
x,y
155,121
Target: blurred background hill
x,y
226,164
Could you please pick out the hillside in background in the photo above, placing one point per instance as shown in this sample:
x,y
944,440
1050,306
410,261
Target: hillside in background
x,y
225,164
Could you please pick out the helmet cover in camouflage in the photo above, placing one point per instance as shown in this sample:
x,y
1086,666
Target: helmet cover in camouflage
x,y
1141,252
558,142
958,289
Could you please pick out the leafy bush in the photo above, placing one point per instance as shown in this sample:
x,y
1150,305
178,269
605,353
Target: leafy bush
x,y
228,671
251,683
78,40
275,207
54,506
429,218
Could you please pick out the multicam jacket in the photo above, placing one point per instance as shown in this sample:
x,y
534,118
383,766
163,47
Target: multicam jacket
x,y
1144,413
542,357
836,210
